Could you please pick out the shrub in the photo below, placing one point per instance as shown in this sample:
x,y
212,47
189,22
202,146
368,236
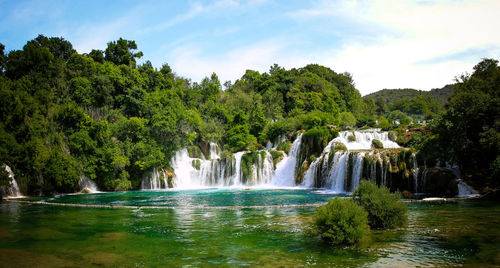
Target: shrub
x,y
376,144
351,138
385,210
347,120
341,221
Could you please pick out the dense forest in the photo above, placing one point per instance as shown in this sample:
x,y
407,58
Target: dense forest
x,y
65,115
406,105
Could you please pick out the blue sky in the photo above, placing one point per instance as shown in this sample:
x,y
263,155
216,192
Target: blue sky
x,y
384,44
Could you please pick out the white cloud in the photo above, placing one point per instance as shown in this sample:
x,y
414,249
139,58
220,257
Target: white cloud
x,y
420,33
189,60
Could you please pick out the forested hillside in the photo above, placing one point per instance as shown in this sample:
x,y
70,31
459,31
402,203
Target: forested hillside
x,y
65,115
408,104
440,95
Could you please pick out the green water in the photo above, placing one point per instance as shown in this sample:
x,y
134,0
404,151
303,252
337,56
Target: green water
x,y
438,234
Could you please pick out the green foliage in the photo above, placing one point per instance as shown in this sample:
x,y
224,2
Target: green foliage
x,y
238,138
376,144
385,210
282,127
468,133
341,221
122,52
284,146
351,138
347,120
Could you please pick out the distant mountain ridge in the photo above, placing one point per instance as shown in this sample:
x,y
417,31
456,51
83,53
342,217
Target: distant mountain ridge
x,y
440,95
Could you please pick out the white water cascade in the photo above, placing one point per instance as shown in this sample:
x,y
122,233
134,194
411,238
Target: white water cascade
x,y
86,183
343,163
155,181
415,173
285,169
12,190
363,139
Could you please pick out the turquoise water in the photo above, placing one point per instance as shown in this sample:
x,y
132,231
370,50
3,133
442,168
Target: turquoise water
x,y
438,234
213,197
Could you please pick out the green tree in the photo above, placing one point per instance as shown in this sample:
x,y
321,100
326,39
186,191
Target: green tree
x,y
122,52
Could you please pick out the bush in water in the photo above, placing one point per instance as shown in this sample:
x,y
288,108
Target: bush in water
x,y
341,221
385,210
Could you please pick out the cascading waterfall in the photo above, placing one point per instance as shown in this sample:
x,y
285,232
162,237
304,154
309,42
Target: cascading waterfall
x,y
343,163
415,172
285,169
357,169
12,190
340,171
363,139
155,181
337,174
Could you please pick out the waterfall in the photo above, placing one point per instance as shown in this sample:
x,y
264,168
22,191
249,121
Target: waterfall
x,y
87,185
464,190
157,180
415,172
357,170
12,190
363,139
337,174
337,168
214,151
285,169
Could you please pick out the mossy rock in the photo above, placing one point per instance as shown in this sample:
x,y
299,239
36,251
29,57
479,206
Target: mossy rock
x,y
302,171
376,144
196,163
195,152
338,146
246,165
86,191
393,135
277,156
351,138
441,182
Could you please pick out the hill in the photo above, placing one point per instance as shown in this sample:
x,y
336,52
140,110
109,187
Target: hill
x,y
440,95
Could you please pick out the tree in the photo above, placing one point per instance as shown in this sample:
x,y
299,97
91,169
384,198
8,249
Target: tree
x,y
469,131
97,55
59,47
122,52
3,58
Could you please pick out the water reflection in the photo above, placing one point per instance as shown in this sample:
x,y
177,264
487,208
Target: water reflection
x,y
437,235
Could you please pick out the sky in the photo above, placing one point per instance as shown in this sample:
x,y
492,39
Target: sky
x,y
384,44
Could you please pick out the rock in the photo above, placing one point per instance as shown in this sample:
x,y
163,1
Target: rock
x,y
376,144
440,182
86,191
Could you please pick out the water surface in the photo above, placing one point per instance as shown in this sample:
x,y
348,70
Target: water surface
x,y
438,234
